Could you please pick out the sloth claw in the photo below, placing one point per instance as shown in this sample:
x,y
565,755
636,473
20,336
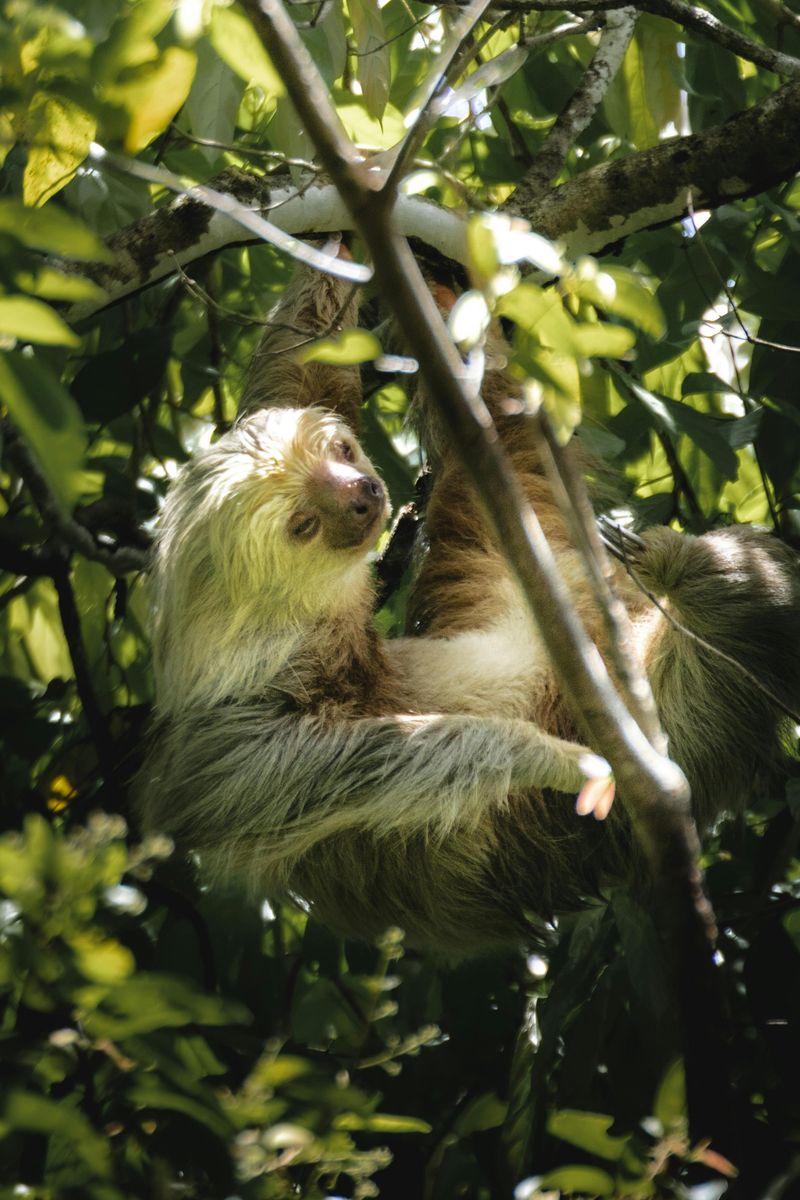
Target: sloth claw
x,y
596,797
619,541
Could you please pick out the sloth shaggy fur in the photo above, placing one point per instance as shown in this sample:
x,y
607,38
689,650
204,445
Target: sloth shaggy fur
x,y
429,781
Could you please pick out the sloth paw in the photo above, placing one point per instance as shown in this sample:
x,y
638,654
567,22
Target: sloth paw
x,y
597,794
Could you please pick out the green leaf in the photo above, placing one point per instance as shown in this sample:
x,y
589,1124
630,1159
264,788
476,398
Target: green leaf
x,y
381,1123
345,350
50,422
100,959
588,1131
484,1112
36,1114
669,1106
153,1001
153,94
602,340
238,45
674,418
52,229
590,1181
618,292
149,1092
58,132
373,61
31,320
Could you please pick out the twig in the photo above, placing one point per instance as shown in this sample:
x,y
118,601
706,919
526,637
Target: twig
x,y
450,61
582,105
224,203
655,789
690,17
73,534
573,500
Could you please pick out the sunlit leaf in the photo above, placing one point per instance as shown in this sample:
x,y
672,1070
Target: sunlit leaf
x,y
669,1106
52,229
588,1131
237,44
382,1123
58,132
30,320
346,349
152,95
590,1181
620,293
50,421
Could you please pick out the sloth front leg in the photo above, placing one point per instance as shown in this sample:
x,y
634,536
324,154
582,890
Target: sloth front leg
x,y
233,776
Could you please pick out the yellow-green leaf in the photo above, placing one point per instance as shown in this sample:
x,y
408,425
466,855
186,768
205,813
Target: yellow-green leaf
x,y
238,45
58,133
351,347
153,94
588,1131
618,291
50,422
381,1123
587,1181
32,321
603,340
102,960
52,229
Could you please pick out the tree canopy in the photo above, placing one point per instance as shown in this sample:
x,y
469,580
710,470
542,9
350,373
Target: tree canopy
x,y
617,185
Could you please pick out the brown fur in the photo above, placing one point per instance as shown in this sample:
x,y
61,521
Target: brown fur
x,y
409,782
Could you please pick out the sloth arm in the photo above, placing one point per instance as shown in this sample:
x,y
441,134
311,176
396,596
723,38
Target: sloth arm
x,y
235,773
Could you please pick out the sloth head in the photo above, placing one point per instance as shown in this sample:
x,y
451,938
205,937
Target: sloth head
x,y
266,531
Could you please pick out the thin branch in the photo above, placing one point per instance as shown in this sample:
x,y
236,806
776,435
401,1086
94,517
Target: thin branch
x,y
572,497
582,106
222,202
655,789
71,624
448,65
71,532
688,15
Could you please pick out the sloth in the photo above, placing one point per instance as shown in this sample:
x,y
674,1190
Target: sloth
x,y
427,782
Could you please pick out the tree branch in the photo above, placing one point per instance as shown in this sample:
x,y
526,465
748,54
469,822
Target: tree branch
x,y
750,152
580,110
747,154
74,535
690,17
655,790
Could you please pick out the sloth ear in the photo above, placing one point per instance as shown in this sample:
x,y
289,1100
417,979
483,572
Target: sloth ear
x,y
313,306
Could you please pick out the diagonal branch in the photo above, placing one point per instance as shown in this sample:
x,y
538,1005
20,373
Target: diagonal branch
x,y
747,154
580,110
655,789
699,20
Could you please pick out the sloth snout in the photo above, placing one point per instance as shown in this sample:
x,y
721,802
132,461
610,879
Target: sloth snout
x,y
367,496
350,504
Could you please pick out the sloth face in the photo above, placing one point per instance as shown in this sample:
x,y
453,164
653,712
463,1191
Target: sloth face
x,y
282,511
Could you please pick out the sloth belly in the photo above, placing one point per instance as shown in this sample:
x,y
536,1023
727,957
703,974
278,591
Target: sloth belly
x,y
498,671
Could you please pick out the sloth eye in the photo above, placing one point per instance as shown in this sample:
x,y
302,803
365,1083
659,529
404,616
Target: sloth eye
x,y
303,526
345,450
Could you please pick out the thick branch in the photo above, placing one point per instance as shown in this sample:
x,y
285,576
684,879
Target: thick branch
x,y
656,792
749,153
